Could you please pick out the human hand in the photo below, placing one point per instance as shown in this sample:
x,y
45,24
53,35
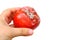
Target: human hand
x,y
7,32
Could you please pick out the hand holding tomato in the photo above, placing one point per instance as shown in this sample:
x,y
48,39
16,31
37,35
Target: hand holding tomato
x,y
8,31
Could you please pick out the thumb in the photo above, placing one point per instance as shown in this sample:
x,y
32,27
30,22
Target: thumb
x,y
22,32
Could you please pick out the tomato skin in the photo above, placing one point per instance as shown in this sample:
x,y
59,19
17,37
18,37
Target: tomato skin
x,y
26,17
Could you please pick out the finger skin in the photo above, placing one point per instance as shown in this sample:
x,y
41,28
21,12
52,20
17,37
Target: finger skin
x,y
11,25
8,14
22,31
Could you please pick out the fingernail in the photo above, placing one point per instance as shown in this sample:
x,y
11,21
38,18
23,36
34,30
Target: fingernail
x,y
30,31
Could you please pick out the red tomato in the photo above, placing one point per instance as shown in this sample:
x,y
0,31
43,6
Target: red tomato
x,y
26,17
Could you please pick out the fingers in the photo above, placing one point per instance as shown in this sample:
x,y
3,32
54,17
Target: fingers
x,y
11,25
8,13
22,32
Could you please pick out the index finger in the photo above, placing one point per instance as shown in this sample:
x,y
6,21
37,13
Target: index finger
x,y
8,14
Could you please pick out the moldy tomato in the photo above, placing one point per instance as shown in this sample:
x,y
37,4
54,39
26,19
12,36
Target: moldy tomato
x,y
26,17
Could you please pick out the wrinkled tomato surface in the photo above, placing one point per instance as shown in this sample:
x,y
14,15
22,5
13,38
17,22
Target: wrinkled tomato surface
x,y
26,17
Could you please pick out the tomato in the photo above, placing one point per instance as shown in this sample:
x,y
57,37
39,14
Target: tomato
x,y
26,17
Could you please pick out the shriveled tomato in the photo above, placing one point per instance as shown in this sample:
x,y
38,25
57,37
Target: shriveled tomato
x,y
26,17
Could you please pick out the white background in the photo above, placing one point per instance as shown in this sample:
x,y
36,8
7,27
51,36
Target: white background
x,y
49,12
